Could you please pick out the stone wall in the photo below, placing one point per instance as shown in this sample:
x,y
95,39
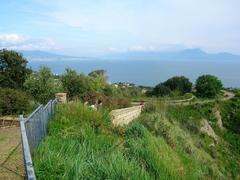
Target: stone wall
x,y
125,115
6,121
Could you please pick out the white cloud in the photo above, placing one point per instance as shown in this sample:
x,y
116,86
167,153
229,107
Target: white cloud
x,y
23,42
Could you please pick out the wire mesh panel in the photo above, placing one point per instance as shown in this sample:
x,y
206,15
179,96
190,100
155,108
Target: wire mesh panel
x,y
33,130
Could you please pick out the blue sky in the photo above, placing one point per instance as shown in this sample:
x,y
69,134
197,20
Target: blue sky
x,y
95,27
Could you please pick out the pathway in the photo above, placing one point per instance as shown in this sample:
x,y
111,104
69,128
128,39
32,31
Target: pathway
x,y
11,156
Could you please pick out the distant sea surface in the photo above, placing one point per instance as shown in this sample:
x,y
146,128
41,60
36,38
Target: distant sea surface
x,y
150,73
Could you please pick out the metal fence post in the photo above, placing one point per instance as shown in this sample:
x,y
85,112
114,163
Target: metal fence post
x,y
26,151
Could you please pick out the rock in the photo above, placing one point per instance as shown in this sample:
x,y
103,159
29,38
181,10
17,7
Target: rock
x,y
207,129
219,119
61,97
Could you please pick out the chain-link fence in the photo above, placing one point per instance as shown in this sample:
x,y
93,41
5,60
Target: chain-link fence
x,y
33,130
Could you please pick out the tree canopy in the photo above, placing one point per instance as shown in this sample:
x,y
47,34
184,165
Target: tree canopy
x,y
177,83
208,86
41,85
13,69
74,84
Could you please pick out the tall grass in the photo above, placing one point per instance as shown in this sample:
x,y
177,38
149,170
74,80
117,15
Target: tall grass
x,y
83,144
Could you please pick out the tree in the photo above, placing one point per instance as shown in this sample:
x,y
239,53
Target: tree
x,y
97,73
41,85
13,101
179,83
13,69
98,80
161,90
208,86
74,84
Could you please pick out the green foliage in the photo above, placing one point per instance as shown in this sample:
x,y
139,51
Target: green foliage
x,y
74,84
97,73
208,86
161,90
150,108
136,131
41,85
177,83
13,69
107,101
98,80
231,114
80,146
83,143
13,102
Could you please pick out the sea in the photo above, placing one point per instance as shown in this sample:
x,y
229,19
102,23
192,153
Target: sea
x,y
149,72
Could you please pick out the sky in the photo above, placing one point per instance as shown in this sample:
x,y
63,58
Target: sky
x,y
95,27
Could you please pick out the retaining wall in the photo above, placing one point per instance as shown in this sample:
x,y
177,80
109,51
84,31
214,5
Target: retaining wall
x,y
125,115
6,121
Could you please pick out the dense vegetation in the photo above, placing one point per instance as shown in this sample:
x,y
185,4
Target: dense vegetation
x,y
208,86
179,84
40,86
164,143
13,68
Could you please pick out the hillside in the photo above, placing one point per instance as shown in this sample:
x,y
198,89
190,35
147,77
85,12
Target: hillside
x,y
165,142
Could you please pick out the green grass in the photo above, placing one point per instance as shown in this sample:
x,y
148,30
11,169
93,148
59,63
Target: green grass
x,y
163,143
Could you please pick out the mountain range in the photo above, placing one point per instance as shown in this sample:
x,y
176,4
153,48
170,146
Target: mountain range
x,y
186,54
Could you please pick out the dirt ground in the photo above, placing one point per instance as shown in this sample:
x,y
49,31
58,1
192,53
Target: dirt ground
x,y
11,157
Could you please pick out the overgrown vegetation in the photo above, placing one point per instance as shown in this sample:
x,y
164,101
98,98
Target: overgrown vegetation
x,y
177,84
208,86
164,143
13,102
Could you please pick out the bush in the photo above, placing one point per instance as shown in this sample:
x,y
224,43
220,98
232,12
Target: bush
x,y
179,83
13,101
136,131
161,90
74,84
150,108
231,115
208,86
107,101
41,85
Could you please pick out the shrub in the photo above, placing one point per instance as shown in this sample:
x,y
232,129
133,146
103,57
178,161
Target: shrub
x,y
107,101
179,83
136,131
13,101
208,86
161,90
41,85
74,84
149,108
231,115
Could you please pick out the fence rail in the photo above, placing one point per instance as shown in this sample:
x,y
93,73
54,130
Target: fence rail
x,y
33,130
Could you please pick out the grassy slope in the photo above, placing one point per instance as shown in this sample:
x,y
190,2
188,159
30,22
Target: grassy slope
x,y
163,143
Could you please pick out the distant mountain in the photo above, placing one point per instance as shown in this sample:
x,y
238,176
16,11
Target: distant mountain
x,y
186,54
47,56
